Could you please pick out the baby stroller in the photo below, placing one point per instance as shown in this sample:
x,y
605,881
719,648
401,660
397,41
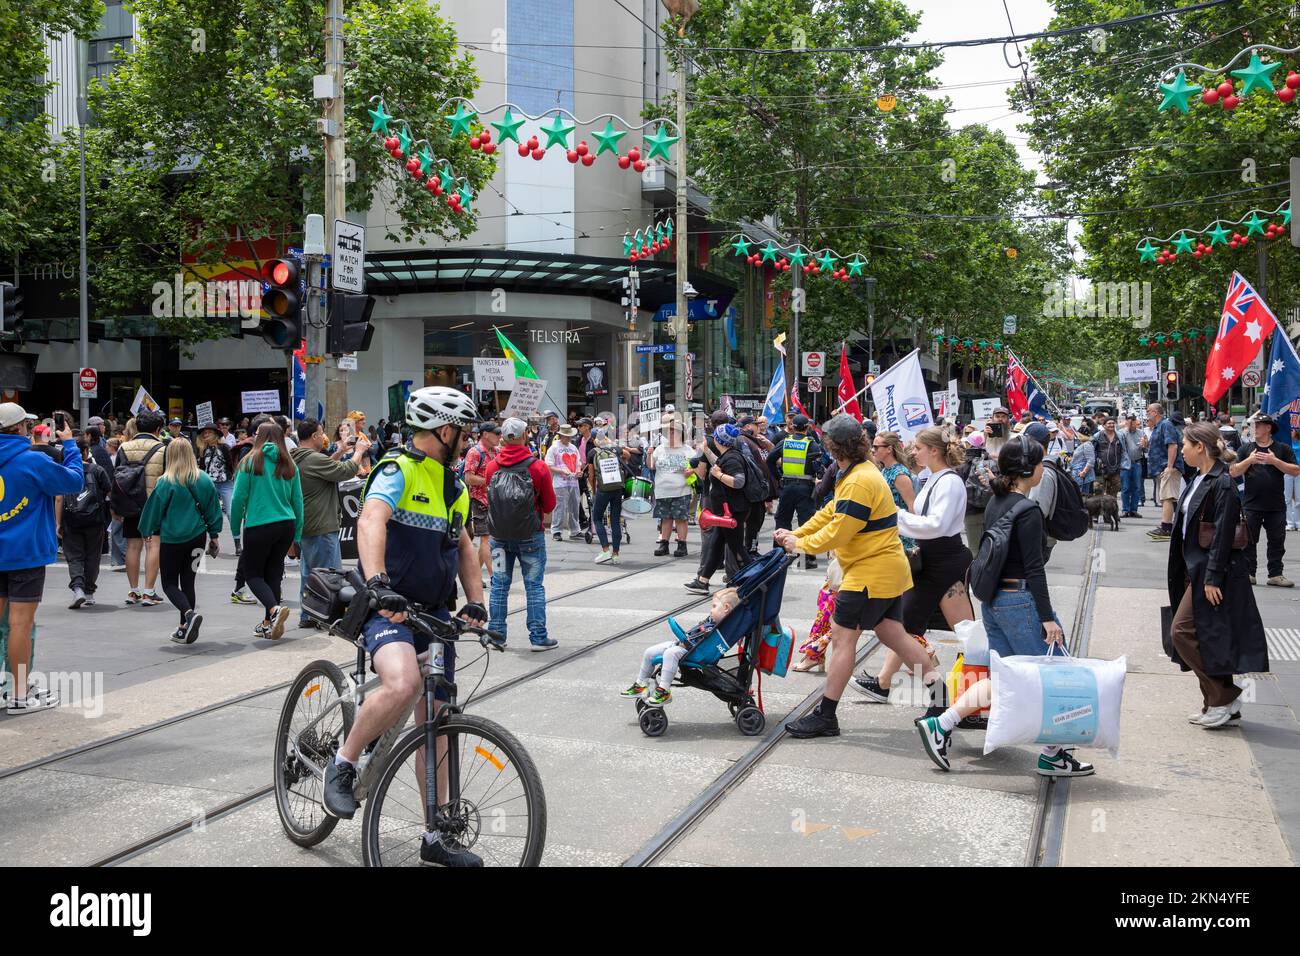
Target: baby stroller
x,y
760,584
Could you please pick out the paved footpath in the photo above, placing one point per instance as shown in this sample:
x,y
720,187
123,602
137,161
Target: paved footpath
x,y
868,797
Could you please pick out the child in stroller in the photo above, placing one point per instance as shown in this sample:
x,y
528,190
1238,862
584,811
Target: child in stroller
x,y
672,652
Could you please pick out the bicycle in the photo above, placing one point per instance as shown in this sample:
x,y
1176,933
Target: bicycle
x,y
491,793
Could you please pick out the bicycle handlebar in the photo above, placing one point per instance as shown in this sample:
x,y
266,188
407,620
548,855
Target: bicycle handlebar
x,y
451,630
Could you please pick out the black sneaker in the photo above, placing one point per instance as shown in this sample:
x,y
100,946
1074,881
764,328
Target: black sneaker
x,y
661,549
938,694
1161,532
437,853
191,628
814,725
681,550
935,741
870,688
810,563
697,586
974,722
337,798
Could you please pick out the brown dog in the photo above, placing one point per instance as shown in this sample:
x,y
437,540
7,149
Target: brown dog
x,y
1104,505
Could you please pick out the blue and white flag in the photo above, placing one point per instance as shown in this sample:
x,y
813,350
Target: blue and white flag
x,y
901,399
1282,389
774,407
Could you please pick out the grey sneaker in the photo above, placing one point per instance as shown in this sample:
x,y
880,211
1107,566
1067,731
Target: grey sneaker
x,y
78,598
1278,581
545,645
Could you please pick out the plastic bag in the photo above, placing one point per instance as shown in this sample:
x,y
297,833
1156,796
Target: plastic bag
x,y
974,642
1055,699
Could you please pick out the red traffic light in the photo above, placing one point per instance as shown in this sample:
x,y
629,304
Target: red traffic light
x,y
1171,377
280,272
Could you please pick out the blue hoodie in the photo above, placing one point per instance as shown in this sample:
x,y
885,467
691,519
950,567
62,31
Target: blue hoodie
x,y
29,482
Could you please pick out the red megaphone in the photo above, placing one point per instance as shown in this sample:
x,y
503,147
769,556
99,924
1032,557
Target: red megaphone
x,y
709,520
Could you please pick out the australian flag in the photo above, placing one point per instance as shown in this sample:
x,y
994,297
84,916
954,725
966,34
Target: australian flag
x,y
300,383
1023,393
774,407
1282,389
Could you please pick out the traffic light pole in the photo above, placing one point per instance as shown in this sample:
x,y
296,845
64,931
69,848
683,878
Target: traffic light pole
x,y
331,383
83,308
681,323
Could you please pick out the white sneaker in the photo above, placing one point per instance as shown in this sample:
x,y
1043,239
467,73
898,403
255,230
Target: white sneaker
x,y
615,560
605,557
34,701
78,598
1215,717
1195,716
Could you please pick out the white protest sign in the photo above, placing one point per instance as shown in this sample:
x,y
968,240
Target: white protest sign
x,y
937,399
983,407
267,400
610,473
953,405
525,397
648,406
143,400
203,414
1139,370
494,373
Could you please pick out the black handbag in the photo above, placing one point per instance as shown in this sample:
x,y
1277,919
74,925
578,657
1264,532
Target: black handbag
x,y
1166,634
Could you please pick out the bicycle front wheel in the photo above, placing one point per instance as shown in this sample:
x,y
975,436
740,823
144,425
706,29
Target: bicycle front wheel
x,y
499,814
317,716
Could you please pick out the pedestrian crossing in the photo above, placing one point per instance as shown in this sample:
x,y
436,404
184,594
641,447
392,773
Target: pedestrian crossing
x,y
1283,643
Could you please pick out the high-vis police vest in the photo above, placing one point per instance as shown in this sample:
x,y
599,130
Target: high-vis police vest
x,y
422,551
794,457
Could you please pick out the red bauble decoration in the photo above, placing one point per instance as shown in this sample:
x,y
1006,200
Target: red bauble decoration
x,y
396,152
485,136
639,165
475,142
523,149
634,154
572,155
654,247
588,159
453,200
807,269
1286,94
1224,89
635,256
538,152
532,142
412,165
489,148
844,278
624,162
1231,102
1173,257
431,184
1210,97
416,174
1196,254
1293,80
391,143
582,148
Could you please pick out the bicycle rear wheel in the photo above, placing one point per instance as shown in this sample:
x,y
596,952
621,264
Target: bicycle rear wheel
x,y
501,812
298,790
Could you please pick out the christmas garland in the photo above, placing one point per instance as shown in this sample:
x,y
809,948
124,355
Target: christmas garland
x,y
1190,336
440,180
782,258
969,345
1257,75
1255,226
557,133
655,239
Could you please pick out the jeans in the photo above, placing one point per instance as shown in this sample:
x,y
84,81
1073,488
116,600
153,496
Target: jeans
x,y
1274,525
1291,496
116,545
225,490
566,507
1012,623
531,555
612,500
1131,488
316,551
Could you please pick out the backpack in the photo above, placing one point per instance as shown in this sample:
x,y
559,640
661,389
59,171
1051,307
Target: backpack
x,y
603,482
978,494
757,479
985,572
85,510
129,488
1069,518
512,503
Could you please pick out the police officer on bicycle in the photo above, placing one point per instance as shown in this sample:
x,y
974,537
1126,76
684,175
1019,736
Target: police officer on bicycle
x,y
411,541
797,459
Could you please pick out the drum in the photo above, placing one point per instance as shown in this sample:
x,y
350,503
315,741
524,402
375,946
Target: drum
x,y
637,496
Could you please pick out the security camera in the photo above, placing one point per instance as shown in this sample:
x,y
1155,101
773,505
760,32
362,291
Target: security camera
x,y
688,290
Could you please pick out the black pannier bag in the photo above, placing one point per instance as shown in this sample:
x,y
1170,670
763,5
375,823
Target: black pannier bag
x,y
337,600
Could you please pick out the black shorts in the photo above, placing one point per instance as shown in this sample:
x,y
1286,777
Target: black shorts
x,y
859,612
24,586
943,564
131,526
478,519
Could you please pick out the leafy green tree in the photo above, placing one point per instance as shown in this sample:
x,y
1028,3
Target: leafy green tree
x,y
206,136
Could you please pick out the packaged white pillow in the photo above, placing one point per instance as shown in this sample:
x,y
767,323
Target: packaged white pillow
x,y
1057,699
974,643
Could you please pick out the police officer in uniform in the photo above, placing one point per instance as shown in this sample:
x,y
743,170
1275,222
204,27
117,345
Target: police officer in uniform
x,y
797,459
412,542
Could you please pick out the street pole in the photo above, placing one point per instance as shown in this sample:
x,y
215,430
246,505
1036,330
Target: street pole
x,y
792,355
83,310
681,324
330,381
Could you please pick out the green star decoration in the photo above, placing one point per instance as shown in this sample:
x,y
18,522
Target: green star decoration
x,y
627,244
855,266
1183,243
660,142
608,138
426,160
1286,216
645,241
769,253
381,118
797,257
1218,235
659,232
508,128
460,120
445,179
466,197
1254,225
1147,251
404,140
826,262
557,134
1257,74
741,246
1178,93
668,227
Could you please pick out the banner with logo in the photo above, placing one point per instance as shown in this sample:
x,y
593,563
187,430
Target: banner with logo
x,y
901,398
144,400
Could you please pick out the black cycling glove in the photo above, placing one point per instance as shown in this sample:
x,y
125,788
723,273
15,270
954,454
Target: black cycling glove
x,y
383,597
474,612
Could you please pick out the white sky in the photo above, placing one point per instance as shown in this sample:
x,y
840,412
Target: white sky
x,y
967,19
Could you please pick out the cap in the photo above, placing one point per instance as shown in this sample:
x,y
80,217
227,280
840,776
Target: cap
x,y
843,430
1262,419
719,418
799,421
550,413
492,427
94,422
1002,409
209,427
1131,416
585,421
41,429
1038,432
869,427
514,429
175,421
11,413
745,420
223,421
975,439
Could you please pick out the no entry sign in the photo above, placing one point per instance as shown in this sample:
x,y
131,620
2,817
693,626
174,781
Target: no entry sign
x,y
88,379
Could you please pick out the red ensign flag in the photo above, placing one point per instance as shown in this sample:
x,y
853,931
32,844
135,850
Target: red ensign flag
x,y
1246,323
847,393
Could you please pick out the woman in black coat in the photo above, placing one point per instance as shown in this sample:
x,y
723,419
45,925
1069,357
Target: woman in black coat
x,y
1216,630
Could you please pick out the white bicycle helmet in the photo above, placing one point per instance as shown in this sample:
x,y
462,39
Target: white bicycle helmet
x,y
437,405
